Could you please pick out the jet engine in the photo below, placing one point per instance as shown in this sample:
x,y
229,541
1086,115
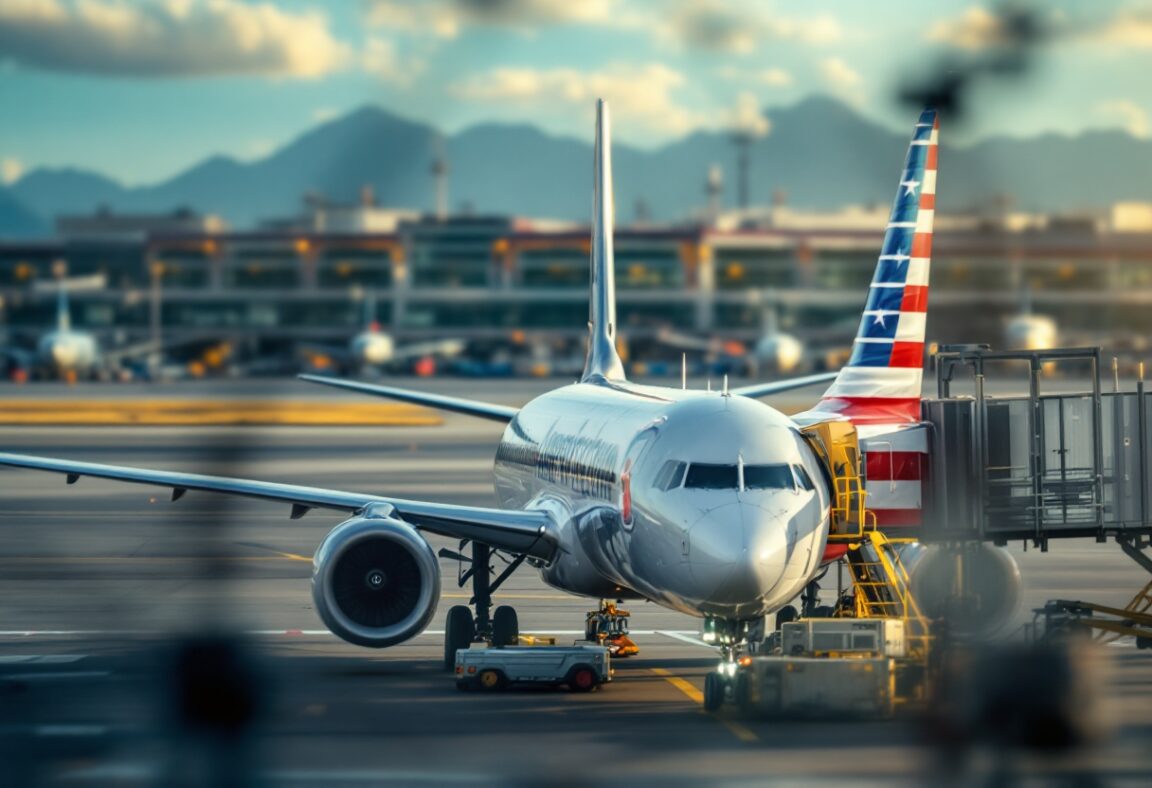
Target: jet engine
x,y
975,588
375,580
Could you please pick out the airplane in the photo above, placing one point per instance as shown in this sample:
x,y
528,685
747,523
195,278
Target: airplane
x,y
64,352
774,351
711,503
372,347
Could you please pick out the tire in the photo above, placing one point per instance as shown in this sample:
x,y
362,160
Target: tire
x,y
505,627
459,632
713,692
1143,643
582,679
786,615
490,680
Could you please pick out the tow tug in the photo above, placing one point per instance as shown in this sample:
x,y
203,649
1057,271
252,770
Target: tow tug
x,y
608,626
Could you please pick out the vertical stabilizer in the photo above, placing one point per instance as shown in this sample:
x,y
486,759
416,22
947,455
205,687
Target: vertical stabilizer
x,y
603,361
63,315
881,381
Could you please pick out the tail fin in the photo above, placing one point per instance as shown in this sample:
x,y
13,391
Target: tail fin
x,y
63,314
603,362
881,381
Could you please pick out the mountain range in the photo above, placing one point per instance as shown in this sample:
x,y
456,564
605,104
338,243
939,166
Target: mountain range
x,y
820,152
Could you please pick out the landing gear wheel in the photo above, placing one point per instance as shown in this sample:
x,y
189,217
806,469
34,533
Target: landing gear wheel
x,y
581,679
459,632
1143,643
505,627
490,680
713,692
786,615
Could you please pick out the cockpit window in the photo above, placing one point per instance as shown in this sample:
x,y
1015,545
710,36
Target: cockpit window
x,y
803,478
708,476
670,475
768,477
702,476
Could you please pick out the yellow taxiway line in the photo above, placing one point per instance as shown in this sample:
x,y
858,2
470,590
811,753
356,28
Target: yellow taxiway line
x,y
696,696
182,413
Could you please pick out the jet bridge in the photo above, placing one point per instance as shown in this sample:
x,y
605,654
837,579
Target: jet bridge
x,y
1071,463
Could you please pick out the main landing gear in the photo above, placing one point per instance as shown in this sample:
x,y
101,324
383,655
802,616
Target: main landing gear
x,y
733,638
499,627
608,627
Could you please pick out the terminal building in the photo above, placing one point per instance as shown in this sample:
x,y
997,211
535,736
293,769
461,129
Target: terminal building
x,y
475,276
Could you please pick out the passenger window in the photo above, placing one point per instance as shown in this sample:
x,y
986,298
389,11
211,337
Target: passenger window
x,y
670,475
768,477
802,478
703,476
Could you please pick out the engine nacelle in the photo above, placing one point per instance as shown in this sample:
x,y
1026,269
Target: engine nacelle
x,y
375,580
975,588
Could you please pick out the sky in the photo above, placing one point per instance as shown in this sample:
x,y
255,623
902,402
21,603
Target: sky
x,y
142,89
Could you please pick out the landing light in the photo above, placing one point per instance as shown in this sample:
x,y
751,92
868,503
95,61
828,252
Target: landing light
x,y
728,668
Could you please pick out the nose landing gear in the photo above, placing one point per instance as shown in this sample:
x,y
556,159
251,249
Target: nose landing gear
x,y
734,638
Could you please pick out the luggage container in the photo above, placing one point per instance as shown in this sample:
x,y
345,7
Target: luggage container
x,y
844,637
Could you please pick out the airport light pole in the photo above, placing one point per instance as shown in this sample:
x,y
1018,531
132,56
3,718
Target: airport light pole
x,y
155,324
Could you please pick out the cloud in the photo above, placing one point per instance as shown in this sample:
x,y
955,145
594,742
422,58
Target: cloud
x,y
169,38
975,29
769,77
446,18
723,27
1129,28
839,75
641,95
10,170
747,117
1134,117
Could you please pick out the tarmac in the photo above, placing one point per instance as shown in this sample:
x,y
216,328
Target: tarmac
x,y
100,582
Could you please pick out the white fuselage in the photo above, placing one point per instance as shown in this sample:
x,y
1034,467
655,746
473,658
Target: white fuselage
x,y
68,352
709,504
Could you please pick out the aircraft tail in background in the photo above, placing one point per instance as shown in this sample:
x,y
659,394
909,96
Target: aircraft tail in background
x,y
603,362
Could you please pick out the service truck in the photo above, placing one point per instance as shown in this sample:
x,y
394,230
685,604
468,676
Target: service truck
x,y
581,668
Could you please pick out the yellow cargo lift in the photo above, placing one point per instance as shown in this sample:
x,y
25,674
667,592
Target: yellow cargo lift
x,y
882,588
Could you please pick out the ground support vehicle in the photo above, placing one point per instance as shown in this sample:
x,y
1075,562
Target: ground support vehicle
x,y
581,668
817,687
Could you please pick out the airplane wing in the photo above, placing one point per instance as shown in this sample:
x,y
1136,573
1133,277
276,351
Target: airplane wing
x,y
439,347
516,531
780,386
469,407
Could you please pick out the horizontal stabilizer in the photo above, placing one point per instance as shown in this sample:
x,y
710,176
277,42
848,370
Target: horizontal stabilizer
x,y
469,407
780,386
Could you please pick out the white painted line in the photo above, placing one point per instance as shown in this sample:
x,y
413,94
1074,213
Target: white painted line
x,y
687,637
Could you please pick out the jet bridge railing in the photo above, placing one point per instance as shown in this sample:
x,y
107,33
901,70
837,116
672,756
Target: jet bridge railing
x,y
1037,466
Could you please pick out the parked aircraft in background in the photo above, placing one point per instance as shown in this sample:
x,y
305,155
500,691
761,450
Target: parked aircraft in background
x,y
372,348
707,502
1029,331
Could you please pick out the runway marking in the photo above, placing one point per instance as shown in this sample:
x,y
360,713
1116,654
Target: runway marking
x,y
28,633
687,637
516,596
696,696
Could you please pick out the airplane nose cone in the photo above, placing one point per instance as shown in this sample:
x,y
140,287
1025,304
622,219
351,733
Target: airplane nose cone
x,y
738,554
63,354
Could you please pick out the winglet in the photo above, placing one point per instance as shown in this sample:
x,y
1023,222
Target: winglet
x,y
603,362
